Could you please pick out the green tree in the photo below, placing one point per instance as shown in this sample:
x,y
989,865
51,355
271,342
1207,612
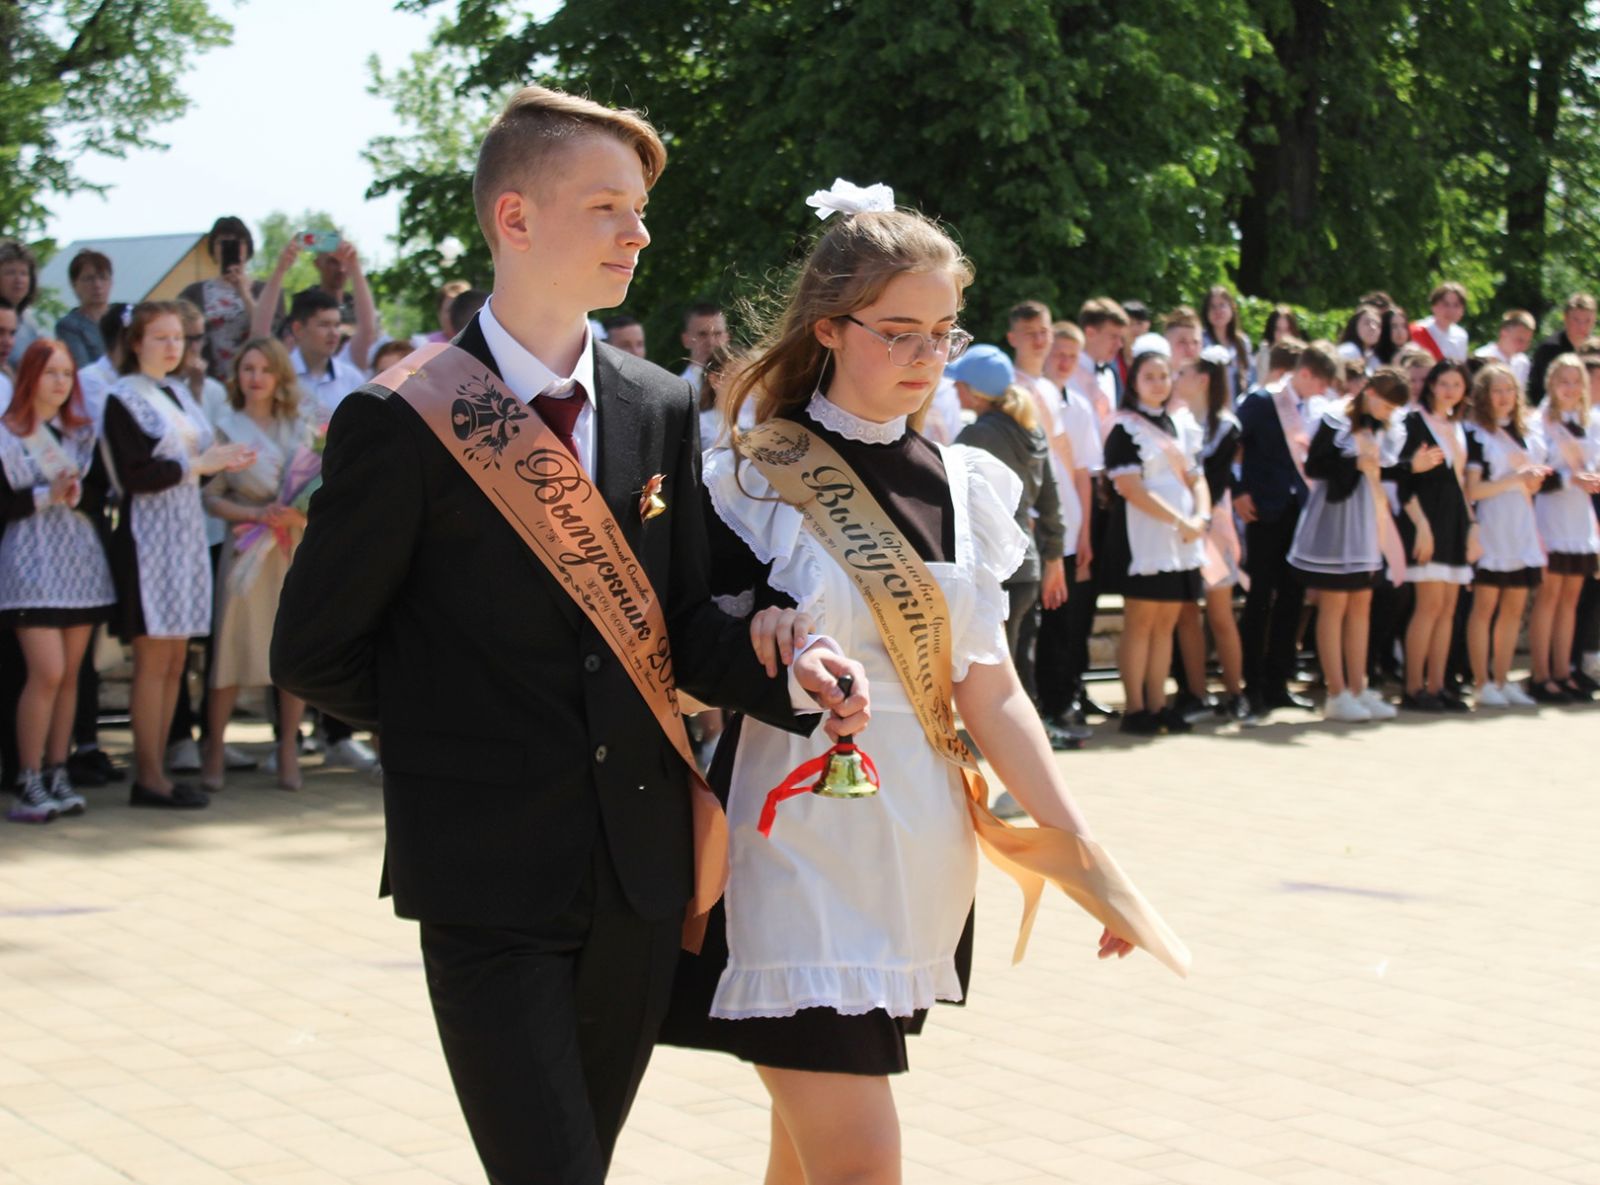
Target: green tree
x,y
1396,144
85,78
1063,142
431,165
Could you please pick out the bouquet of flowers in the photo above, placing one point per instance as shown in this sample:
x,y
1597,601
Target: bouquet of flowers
x,y
302,477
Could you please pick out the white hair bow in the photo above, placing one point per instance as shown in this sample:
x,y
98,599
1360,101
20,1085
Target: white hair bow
x,y
1217,355
845,198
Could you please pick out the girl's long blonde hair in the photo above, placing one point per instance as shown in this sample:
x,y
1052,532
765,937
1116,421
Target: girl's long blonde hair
x,y
1482,398
1567,361
286,395
850,266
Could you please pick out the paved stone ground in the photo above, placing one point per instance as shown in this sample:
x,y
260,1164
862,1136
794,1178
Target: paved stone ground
x,y
1397,969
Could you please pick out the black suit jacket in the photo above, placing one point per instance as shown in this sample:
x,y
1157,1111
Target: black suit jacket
x,y
1267,470
513,741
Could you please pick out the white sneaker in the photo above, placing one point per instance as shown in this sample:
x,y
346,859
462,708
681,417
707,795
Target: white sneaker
x,y
1346,709
1490,696
60,788
183,757
350,754
1515,697
1591,664
33,804
1377,707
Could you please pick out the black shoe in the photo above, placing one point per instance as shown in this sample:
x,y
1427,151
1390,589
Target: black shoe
x,y
1066,737
1575,691
1195,707
183,797
1548,692
1173,720
1453,702
1140,724
1237,708
1085,706
91,767
1423,701
1584,682
1282,697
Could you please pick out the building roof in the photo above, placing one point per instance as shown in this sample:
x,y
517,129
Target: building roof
x,y
138,264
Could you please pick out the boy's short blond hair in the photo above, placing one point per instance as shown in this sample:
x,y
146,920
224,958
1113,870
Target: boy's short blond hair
x,y
536,122
1518,317
1066,329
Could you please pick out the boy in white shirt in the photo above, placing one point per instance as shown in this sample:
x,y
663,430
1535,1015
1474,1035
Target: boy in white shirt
x,y
1511,345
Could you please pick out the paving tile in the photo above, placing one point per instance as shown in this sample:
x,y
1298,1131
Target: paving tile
x,y
1375,1000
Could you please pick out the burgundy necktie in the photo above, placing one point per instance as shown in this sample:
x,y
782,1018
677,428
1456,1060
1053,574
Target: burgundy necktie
x,y
560,411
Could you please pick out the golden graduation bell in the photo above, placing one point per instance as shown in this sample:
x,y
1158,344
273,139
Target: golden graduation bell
x,y
845,775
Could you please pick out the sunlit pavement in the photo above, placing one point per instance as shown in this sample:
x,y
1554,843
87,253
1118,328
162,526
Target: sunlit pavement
x,y
1396,980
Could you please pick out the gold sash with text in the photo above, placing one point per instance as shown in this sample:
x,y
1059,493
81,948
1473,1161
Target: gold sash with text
x,y
542,491
913,619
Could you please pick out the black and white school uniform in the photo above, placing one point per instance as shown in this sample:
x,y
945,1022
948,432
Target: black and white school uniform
x,y
53,567
1513,556
159,555
1336,543
1145,558
840,930
1443,502
1565,512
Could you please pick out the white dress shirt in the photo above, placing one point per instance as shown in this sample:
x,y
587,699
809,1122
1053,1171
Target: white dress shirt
x,y
525,376
96,379
1518,365
327,388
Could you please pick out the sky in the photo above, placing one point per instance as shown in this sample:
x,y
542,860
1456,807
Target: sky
x,y
277,122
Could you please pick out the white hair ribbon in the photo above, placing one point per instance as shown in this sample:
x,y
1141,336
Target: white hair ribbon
x,y
845,198
1217,355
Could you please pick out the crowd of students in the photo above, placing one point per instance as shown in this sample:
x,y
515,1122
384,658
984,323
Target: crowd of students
x,y
1397,497
156,459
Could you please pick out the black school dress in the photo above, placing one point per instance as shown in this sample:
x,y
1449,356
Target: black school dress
x,y
1144,559
907,477
1444,504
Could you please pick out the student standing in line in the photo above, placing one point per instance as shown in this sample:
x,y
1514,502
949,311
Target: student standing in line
x,y
1505,470
54,579
1156,526
160,444
1204,384
1441,334
1339,542
1567,524
1439,534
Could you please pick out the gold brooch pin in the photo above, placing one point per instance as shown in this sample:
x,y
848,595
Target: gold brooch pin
x,y
651,503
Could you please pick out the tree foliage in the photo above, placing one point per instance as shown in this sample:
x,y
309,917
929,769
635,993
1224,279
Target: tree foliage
x,y
1307,150
86,78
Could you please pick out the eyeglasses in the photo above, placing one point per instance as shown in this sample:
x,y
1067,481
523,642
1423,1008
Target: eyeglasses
x,y
906,349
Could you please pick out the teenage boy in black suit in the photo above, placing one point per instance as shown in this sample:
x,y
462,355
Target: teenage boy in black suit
x,y
538,821
1269,495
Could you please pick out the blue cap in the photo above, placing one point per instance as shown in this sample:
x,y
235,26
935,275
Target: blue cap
x,y
985,369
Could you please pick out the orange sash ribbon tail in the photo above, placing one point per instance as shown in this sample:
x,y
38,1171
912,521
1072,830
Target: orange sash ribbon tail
x,y
848,522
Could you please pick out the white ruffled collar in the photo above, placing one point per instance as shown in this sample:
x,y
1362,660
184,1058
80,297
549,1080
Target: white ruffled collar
x,y
852,427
